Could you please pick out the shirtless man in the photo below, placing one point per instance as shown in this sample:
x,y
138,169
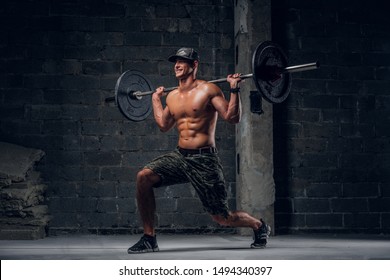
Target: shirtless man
x,y
193,107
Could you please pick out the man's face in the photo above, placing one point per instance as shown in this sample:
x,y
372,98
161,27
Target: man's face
x,y
183,68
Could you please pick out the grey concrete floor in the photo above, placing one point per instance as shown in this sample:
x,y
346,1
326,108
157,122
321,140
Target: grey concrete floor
x,y
200,247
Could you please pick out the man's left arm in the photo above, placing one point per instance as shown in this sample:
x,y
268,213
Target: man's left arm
x,y
229,111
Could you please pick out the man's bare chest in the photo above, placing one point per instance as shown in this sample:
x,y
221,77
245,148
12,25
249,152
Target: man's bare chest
x,y
190,106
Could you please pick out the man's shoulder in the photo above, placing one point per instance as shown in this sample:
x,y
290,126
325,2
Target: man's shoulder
x,y
211,88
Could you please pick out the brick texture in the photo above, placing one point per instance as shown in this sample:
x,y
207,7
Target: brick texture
x,y
59,60
331,134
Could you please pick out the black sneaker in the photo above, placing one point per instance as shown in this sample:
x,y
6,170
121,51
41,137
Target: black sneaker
x,y
145,244
261,235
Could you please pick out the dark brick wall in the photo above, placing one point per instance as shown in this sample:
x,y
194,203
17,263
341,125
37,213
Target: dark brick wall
x,y
59,60
332,152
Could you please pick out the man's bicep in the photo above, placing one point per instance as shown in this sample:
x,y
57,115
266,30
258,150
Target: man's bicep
x,y
220,104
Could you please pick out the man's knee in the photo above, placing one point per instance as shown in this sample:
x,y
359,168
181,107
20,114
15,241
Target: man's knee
x,y
147,177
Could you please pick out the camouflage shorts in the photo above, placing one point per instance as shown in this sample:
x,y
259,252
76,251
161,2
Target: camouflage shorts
x,y
203,171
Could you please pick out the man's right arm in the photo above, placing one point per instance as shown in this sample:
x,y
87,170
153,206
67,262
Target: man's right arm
x,y
162,115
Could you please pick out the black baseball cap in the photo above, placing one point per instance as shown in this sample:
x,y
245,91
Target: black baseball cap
x,y
185,53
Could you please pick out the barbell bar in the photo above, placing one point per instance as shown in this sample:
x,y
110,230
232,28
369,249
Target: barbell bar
x,y
270,73
277,73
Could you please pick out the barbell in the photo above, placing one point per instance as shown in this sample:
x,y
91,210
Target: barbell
x,y
270,73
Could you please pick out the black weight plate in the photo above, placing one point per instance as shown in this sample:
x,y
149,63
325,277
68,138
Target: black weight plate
x,y
133,108
267,62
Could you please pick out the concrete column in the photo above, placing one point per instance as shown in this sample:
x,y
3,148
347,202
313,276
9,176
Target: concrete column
x,y
254,134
